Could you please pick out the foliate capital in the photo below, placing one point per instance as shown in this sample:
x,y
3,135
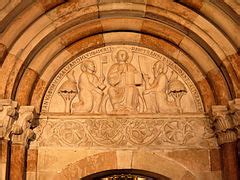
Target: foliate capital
x,y
223,124
234,107
8,114
22,128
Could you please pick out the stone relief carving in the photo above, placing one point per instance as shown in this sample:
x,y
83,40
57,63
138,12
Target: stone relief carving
x,y
122,80
8,115
223,124
90,90
117,131
22,129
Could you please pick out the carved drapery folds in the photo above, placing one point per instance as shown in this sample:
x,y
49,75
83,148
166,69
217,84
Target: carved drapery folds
x,y
223,125
122,79
8,114
22,128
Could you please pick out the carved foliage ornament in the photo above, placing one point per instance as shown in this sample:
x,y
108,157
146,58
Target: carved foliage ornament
x,y
223,124
235,114
22,131
122,80
8,114
117,131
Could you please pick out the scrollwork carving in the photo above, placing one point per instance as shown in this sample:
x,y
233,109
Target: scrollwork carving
x,y
122,131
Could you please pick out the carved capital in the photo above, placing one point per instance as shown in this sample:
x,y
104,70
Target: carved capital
x,y
8,114
22,128
223,124
235,114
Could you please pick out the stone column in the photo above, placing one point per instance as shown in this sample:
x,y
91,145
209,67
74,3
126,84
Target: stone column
x,y
227,139
8,112
235,114
21,134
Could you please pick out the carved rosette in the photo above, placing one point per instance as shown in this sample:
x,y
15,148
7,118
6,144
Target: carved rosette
x,y
22,132
235,114
8,114
223,124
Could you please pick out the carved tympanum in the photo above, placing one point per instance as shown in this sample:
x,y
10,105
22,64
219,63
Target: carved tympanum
x,y
122,79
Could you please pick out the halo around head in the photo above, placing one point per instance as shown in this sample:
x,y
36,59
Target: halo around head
x,y
116,50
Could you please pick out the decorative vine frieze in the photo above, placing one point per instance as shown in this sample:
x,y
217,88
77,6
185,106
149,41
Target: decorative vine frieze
x,y
120,131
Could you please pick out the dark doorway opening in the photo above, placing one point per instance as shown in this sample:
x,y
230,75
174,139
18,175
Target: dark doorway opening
x,y
125,174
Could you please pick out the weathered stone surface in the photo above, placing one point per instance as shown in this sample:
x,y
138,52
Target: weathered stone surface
x,y
154,10
50,4
197,53
217,41
234,59
207,94
216,175
215,160
90,165
25,86
219,85
124,159
195,160
3,53
32,160
162,31
116,9
46,54
20,23
31,37
230,27
17,162
193,4
86,44
5,71
121,37
155,162
158,44
81,32
37,93
78,144
233,79
118,24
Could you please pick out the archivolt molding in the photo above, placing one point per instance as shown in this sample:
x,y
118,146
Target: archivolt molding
x,y
179,21
66,57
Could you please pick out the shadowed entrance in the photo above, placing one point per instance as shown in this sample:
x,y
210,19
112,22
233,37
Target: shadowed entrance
x,y
125,174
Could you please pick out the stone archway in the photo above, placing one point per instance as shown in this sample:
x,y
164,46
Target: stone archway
x,y
114,160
